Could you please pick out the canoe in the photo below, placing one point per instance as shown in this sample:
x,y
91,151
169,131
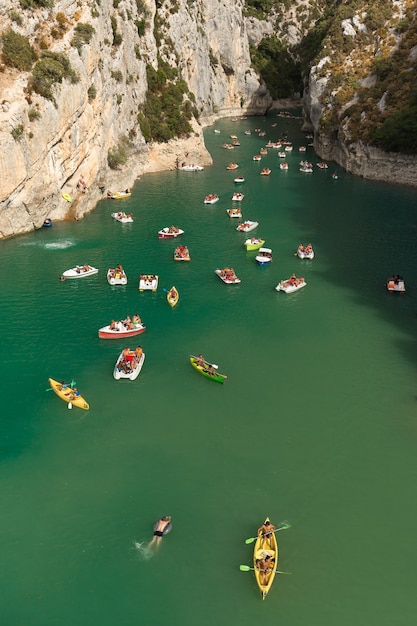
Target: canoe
x,y
119,195
254,244
203,369
79,272
129,359
120,331
173,296
67,197
264,546
67,394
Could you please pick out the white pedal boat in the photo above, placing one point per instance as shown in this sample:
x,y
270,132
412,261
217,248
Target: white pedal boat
x,y
228,276
247,226
80,271
264,256
239,179
291,285
122,218
191,168
238,197
116,276
305,252
129,364
148,282
396,283
234,212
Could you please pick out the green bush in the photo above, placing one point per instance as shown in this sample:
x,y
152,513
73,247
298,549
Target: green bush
x,y
82,35
17,51
51,68
17,132
16,17
33,114
32,4
92,92
118,155
117,75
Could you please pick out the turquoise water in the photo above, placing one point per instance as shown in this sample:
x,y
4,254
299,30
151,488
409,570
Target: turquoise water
x,y
315,423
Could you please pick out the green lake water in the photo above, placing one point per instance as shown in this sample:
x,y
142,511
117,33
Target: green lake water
x,y
315,424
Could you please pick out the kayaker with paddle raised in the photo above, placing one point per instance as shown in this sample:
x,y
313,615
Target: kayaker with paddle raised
x,y
265,566
161,528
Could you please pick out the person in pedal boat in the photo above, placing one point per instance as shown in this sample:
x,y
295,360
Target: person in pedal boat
x,y
159,530
266,529
265,566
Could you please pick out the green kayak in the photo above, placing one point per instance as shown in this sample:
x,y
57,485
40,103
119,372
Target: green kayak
x,y
205,371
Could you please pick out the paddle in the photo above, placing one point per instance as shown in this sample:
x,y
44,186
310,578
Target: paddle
x,y
216,367
72,384
283,526
246,568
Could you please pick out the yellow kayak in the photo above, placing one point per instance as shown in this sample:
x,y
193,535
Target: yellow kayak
x,y
265,546
173,296
67,394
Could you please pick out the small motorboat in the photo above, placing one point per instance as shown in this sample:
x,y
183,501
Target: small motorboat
x,y
119,330
181,253
191,168
264,256
234,212
237,197
148,282
170,232
266,171
247,226
288,148
254,243
239,179
117,276
257,157
211,198
283,166
306,169
129,363
305,252
292,284
322,165
209,370
266,545
396,283
79,271
47,223
119,195
68,393
122,217
173,296
228,276
232,166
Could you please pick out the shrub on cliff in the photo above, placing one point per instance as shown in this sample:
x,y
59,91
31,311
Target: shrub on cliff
x,y
32,4
51,68
17,51
82,35
118,155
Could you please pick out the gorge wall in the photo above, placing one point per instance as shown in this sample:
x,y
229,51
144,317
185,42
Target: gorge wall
x,y
47,147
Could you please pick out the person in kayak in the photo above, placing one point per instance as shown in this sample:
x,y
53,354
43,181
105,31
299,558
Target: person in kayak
x,y
266,530
265,566
159,528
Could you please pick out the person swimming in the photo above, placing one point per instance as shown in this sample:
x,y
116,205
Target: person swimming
x,y
160,528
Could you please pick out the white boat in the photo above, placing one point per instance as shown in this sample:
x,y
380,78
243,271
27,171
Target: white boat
x,y
234,212
232,166
191,168
283,166
119,330
122,217
211,198
80,271
247,226
116,276
129,364
282,155
305,252
228,276
291,285
238,197
239,179
170,232
254,243
148,282
264,256
306,169
217,131
396,283
257,157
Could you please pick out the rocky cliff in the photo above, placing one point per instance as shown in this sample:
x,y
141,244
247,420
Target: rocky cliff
x,y
51,146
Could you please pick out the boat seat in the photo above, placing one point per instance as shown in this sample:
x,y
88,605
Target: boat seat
x,y
261,554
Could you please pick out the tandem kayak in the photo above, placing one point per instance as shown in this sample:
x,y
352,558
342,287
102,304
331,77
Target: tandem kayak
x,y
68,394
173,296
265,546
207,369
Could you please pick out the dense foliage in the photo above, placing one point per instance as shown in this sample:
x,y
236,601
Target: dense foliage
x,y
51,68
276,66
17,51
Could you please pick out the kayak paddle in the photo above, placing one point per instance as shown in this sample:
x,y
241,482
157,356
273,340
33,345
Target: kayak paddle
x,y
283,526
246,568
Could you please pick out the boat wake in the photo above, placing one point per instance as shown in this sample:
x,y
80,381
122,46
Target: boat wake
x,y
142,550
51,245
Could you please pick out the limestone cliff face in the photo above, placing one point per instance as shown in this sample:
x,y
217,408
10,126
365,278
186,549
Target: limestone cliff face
x,y
45,155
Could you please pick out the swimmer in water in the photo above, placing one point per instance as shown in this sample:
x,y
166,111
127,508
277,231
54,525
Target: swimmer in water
x,y
160,527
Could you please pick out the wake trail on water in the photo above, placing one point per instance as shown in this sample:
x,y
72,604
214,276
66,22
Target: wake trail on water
x,y
51,245
142,550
